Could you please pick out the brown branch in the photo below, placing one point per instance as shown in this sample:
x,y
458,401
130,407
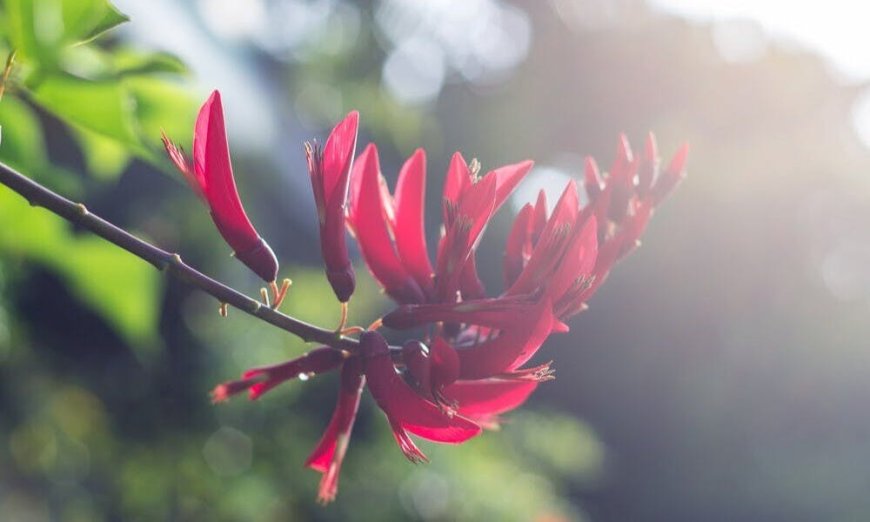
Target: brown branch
x,y
37,195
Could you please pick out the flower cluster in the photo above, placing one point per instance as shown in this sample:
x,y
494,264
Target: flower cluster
x,y
464,360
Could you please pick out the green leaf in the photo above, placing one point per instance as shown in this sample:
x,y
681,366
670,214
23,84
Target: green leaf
x,y
162,106
120,287
111,18
23,146
102,107
130,62
105,158
40,29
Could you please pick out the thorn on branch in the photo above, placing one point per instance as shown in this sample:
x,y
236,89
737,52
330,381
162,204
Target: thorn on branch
x,y
224,309
83,210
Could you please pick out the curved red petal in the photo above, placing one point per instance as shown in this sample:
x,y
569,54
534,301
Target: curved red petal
x,y
507,179
578,262
457,181
212,166
517,245
338,153
511,349
372,234
444,364
329,452
551,244
402,405
488,397
470,285
410,230
472,214
317,361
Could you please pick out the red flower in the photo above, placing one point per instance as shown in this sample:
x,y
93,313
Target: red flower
x,y
466,367
330,169
210,175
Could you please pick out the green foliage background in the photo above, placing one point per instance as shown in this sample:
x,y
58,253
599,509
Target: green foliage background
x,y
720,374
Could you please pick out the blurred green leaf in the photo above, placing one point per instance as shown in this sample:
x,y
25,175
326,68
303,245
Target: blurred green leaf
x,y
120,287
23,146
109,17
161,106
105,158
39,29
129,62
101,107
21,28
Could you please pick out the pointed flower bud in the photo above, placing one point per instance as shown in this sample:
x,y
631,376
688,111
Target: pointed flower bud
x,y
210,175
330,169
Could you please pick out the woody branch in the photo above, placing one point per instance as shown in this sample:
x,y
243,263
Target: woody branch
x,y
38,195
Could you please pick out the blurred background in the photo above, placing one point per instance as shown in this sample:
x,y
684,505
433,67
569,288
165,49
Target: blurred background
x,y
722,373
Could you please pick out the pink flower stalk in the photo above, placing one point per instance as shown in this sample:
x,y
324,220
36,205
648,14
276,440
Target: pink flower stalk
x,y
330,169
467,366
210,175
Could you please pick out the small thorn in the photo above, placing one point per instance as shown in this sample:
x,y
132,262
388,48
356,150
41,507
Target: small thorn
x,y
83,210
224,309
177,259
346,354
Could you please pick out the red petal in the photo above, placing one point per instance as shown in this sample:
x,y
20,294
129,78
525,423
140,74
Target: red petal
x,y
415,355
578,262
333,248
214,172
410,230
672,176
404,407
550,247
457,181
444,367
317,361
372,234
472,214
593,182
647,171
539,219
511,349
622,165
517,245
338,155
488,397
507,179
470,285
329,453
